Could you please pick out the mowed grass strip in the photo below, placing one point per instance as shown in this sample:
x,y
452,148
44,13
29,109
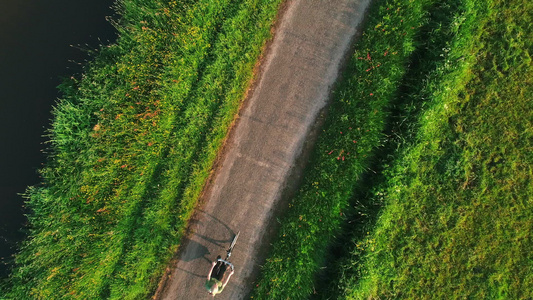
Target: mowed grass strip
x,y
131,145
458,213
352,133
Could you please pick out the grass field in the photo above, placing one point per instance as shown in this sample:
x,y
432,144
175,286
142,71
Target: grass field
x,y
131,144
458,213
421,181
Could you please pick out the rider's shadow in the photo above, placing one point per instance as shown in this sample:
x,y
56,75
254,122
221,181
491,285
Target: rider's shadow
x,y
194,251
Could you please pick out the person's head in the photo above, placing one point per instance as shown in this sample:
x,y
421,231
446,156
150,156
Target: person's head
x,y
214,290
212,287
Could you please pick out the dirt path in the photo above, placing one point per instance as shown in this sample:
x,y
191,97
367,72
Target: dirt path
x,y
297,73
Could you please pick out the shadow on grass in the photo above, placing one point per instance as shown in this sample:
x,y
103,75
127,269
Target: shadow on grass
x,y
401,130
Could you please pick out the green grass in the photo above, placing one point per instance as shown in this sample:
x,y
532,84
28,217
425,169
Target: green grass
x,y
131,144
445,148
458,216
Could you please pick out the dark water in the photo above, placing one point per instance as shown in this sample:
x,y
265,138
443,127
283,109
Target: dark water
x,y
35,39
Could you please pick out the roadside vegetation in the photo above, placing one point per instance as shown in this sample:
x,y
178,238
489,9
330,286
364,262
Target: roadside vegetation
x,y
458,216
420,184
131,145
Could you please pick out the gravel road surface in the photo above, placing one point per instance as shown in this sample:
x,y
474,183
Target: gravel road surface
x,y
259,159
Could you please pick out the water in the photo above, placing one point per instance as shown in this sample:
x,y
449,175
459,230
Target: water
x,y
35,39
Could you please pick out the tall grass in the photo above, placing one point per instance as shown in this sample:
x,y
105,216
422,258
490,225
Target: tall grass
x,y
131,145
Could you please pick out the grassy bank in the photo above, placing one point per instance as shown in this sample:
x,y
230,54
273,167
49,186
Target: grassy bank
x,y
443,177
458,214
131,145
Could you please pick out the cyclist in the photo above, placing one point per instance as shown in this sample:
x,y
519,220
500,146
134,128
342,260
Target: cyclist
x,y
216,282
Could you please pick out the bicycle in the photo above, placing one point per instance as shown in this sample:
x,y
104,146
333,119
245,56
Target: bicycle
x,y
215,283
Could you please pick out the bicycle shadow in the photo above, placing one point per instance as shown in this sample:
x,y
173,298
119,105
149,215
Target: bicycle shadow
x,y
227,231
193,247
